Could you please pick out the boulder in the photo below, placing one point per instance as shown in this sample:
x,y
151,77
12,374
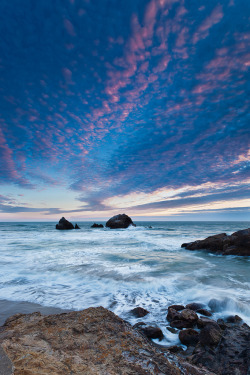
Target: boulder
x,y
204,312
139,312
236,244
152,332
64,224
189,337
97,225
203,322
77,227
210,335
119,221
184,319
194,306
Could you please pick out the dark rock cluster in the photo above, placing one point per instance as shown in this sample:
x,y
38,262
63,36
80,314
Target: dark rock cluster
x,y
97,225
221,346
237,243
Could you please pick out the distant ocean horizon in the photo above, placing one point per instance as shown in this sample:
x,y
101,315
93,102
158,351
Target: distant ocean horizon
x,y
122,269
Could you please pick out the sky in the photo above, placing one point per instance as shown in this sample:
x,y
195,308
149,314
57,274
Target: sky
x,y
135,106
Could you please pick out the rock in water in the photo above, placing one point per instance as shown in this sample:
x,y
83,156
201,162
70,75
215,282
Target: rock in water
x,y
94,342
97,225
77,227
119,221
236,244
64,224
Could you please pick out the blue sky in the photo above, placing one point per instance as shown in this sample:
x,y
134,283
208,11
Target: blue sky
x,y
136,106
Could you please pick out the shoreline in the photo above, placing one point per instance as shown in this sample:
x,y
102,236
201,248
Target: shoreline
x,y
9,308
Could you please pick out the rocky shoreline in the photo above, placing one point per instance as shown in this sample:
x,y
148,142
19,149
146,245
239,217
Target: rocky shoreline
x,y
96,341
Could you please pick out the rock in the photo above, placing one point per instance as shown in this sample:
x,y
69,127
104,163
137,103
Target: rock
x,y
152,332
97,225
176,307
64,224
203,322
119,221
173,314
204,312
175,349
184,319
232,354
77,227
189,337
172,330
233,319
222,324
210,335
236,244
94,342
194,306
139,312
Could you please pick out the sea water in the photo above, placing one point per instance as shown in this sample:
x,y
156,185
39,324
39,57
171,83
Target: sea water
x,y
124,268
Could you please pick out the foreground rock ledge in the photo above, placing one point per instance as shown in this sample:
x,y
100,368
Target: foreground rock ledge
x,y
236,244
91,342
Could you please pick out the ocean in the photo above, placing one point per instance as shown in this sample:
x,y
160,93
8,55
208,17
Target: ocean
x,y
124,268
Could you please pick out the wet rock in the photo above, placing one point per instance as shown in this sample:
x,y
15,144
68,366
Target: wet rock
x,y
77,227
94,342
175,349
184,319
176,307
231,356
64,224
222,324
172,330
119,221
152,332
210,335
180,324
194,306
233,319
204,312
203,322
139,312
189,337
236,244
97,225
216,305
173,314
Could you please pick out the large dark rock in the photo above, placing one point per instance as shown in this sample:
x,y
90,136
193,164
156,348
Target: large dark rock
x,y
229,354
64,224
189,337
119,221
210,335
194,306
236,244
97,225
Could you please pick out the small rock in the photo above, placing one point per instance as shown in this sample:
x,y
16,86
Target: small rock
x,y
222,324
194,306
180,324
173,314
176,307
233,319
189,315
152,332
189,337
172,330
175,349
204,312
139,312
210,335
77,227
